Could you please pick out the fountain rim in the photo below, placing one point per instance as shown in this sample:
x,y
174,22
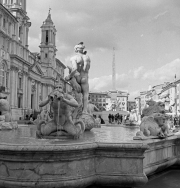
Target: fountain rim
x,y
73,146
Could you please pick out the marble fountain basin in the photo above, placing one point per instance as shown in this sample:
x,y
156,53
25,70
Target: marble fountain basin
x,y
106,156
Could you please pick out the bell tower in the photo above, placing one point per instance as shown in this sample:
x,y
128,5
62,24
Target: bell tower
x,y
48,42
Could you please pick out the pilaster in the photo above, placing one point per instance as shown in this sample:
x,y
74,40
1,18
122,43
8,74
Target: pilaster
x,y
29,93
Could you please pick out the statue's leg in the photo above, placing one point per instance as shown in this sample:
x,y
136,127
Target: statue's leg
x,y
73,129
85,91
48,128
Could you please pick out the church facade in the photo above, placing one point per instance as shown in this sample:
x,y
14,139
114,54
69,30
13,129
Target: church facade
x,y
26,78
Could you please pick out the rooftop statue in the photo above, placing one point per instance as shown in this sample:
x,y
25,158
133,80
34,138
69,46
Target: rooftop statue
x,y
62,105
154,121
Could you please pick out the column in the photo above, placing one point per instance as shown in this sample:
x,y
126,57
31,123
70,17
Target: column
x,y
24,35
16,86
29,94
42,36
44,92
35,96
17,31
25,5
12,86
26,86
24,91
27,30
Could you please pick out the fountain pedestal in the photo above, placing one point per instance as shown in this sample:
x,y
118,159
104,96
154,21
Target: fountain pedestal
x,y
104,157
67,163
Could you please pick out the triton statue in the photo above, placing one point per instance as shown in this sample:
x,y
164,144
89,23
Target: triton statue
x,y
62,105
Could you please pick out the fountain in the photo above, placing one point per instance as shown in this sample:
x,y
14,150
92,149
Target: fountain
x,y
104,157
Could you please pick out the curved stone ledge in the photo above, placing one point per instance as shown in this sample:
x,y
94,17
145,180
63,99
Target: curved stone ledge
x,y
80,164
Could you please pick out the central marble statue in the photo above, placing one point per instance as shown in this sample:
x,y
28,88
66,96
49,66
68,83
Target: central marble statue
x,y
70,116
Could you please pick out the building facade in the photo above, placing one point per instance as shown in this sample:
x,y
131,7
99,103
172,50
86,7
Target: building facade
x,y
98,99
117,100
27,77
138,105
170,96
131,105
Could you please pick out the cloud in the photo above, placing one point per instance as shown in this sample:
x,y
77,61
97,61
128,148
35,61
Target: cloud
x,y
138,72
91,21
160,14
104,24
36,43
134,94
164,73
123,81
104,83
137,80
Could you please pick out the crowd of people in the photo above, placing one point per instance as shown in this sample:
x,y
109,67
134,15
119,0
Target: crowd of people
x,y
98,119
117,118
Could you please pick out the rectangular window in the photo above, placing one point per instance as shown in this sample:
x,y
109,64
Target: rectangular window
x,y
32,101
46,36
19,33
9,28
19,101
46,55
4,23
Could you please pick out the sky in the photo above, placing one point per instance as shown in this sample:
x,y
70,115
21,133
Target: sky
x,y
144,33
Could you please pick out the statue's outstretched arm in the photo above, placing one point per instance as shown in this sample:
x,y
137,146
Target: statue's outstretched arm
x,y
70,101
73,69
96,108
45,102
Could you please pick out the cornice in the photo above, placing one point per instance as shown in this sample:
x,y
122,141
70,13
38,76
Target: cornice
x,y
8,12
19,59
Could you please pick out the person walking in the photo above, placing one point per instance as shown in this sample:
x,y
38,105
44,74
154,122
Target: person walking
x,y
110,118
102,120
